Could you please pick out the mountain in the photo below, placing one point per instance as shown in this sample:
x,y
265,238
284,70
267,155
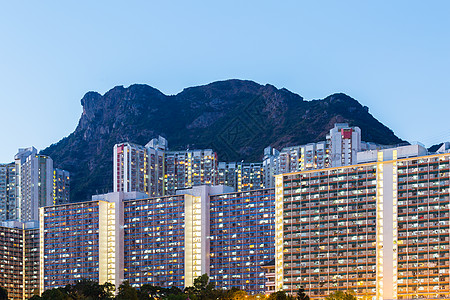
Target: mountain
x,y
236,118
435,148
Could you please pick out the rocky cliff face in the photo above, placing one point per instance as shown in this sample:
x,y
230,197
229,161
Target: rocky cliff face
x,y
236,118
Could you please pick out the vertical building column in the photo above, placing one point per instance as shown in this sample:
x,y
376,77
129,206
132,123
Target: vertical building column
x,y
394,226
24,283
41,250
279,233
380,228
387,227
196,233
111,250
103,242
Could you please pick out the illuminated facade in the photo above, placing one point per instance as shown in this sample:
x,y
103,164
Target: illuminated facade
x,y
380,228
29,183
423,227
34,183
241,239
8,204
165,241
70,238
154,241
340,149
241,176
328,240
130,168
19,259
61,187
153,170
185,169
83,240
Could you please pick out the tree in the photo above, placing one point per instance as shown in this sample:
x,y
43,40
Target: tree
x,y
203,289
82,290
90,290
202,284
127,292
147,292
340,295
280,295
301,295
3,293
150,292
55,294
239,295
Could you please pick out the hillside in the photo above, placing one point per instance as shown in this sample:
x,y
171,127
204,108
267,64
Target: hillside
x,y
236,118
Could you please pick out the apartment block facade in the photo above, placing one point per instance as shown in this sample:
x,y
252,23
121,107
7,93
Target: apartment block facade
x,y
185,169
164,241
130,168
61,187
242,233
241,176
380,228
35,182
154,241
19,259
339,149
153,170
8,199
29,183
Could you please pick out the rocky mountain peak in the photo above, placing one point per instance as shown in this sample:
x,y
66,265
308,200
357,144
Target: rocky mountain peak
x,y
236,118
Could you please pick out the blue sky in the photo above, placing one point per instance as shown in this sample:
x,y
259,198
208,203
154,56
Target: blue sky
x,y
393,56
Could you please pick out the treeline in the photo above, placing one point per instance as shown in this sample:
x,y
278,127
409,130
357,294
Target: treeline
x,y
202,289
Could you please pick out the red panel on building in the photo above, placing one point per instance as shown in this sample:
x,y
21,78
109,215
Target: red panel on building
x,y
346,133
120,149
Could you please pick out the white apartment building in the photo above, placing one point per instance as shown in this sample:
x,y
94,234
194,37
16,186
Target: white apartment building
x,y
339,149
34,183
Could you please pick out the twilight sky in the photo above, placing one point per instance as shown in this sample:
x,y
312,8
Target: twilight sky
x,y
393,56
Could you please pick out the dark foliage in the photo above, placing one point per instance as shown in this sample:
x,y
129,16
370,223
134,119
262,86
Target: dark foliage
x,y
3,293
82,290
301,295
202,289
340,295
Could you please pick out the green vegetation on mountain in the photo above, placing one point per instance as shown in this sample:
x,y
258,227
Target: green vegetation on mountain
x,y
236,118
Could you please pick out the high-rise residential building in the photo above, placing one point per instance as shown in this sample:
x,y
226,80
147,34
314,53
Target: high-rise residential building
x,y
82,240
130,168
340,149
185,169
8,198
241,238
343,142
140,169
156,166
61,187
165,241
19,259
380,228
29,183
227,174
270,166
153,170
34,183
240,175
154,241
